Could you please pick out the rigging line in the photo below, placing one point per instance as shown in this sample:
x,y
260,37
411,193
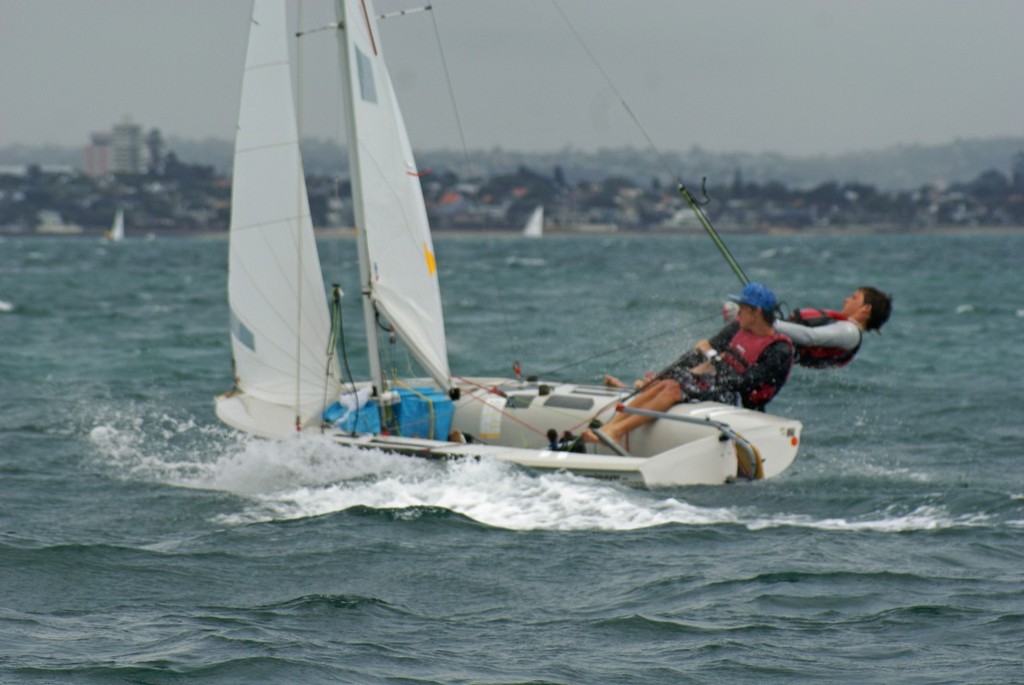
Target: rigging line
x,y
451,91
332,346
393,352
468,171
630,345
611,84
337,337
344,349
512,340
504,412
701,216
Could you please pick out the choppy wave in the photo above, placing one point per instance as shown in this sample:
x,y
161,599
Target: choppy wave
x,y
310,476
887,521
535,262
140,541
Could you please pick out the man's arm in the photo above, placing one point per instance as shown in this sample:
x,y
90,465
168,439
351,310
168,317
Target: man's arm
x,y
842,334
720,340
695,359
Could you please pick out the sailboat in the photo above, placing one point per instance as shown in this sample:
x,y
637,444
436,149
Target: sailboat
x,y
116,232
287,378
534,227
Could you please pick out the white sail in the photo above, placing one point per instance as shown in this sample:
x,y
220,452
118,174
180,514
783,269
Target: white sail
x,y
535,225
390,214
280,323
117,229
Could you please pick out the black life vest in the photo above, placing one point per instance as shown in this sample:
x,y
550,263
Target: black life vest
x,y
818,357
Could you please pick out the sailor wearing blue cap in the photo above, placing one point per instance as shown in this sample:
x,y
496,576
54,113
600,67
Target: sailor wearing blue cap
x,y
756,295
747,366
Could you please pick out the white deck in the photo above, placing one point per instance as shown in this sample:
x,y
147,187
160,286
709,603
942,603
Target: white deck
x,y
663,453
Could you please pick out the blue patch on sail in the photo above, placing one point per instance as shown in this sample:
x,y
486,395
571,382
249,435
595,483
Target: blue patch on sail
x,y
242,333
367,87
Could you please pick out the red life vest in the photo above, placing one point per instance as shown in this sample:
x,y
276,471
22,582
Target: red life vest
x,y
745,349
819,357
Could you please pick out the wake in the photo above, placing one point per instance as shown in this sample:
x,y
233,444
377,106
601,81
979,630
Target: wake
x,y
310,475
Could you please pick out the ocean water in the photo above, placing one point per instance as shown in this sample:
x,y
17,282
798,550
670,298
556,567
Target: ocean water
x,y
143,542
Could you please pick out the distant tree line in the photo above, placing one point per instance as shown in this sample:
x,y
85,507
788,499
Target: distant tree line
x,y
186,197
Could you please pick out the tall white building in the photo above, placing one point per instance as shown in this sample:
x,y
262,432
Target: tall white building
x,y
127,148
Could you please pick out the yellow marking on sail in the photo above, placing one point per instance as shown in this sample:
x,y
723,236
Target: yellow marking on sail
x,y
431,260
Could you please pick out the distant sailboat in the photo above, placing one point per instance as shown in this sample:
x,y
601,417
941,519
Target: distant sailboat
x,y
283,336
535,226
116,232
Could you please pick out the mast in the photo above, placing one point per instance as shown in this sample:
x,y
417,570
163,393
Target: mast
x,y
397,265
365,284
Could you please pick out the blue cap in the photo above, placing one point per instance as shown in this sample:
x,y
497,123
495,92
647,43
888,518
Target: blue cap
x,y
756,295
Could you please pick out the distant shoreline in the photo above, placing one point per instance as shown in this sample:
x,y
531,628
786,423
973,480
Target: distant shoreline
x,y
779,231
142,235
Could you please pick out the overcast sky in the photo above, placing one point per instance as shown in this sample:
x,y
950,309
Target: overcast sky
x,y
799,77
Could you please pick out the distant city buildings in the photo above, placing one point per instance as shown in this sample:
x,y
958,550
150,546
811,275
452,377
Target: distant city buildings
x,y
130,170
155,150
124,150
96,156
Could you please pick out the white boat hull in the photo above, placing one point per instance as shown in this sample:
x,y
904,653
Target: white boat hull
x,y
508,420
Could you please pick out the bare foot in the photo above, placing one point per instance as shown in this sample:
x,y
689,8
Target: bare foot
x,y
613,382
611,441
611,435
590,435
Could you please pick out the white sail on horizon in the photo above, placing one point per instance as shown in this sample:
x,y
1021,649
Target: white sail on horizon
x,y
535,224
116,232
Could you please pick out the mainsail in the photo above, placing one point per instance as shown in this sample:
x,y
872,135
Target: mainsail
x,y
391,218
280,324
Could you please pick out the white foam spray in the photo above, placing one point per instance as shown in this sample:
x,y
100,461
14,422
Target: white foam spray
x,y
310,475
